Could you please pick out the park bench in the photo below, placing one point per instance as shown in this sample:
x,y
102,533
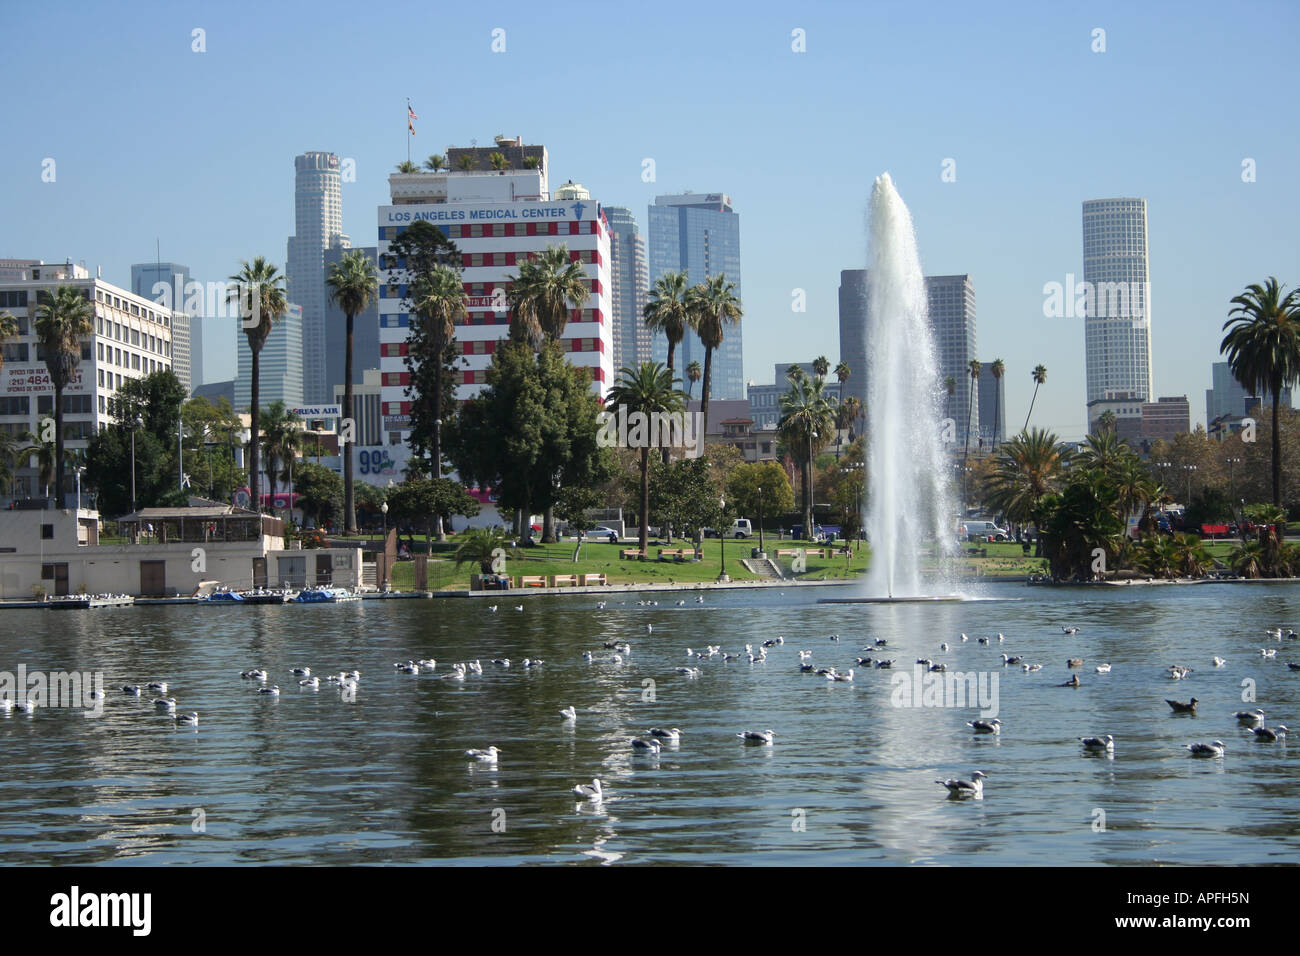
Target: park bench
x,y
593,578
977,552
564,580
628,553
532,580
786,552
677,554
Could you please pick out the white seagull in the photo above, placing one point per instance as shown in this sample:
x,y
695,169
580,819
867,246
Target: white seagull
x,y
758,736
1270,734
974,787
993,726
569,713
1215,749
484,756
1105,744
591,791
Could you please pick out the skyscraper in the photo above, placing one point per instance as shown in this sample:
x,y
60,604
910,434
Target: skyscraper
x,y
630,290
951,307
318,225
699,233
1117,319
167,283
279,365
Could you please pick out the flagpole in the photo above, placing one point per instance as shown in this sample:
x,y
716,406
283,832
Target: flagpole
x,y
408,129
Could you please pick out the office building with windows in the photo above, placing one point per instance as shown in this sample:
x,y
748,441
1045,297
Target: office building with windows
x,y
280,374
629,292
132,337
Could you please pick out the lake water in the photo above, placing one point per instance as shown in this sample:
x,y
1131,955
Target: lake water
x,y
311,778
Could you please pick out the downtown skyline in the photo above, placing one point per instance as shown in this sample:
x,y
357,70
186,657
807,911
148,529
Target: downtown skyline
x,y
795,138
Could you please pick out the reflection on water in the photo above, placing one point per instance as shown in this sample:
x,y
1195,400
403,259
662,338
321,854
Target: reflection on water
x,y
311,777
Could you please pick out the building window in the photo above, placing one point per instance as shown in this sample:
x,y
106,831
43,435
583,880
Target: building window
x,y
47,534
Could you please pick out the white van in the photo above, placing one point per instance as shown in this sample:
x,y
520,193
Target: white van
x,y
741,528
984,530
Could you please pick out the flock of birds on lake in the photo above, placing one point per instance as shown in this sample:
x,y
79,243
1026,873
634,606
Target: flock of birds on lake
x,y
653,740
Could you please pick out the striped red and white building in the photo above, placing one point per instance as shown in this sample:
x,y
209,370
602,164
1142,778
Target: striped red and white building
x,y
497,219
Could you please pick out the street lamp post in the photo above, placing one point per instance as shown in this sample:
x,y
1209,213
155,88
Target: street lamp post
x,y
760,520
1231,462
79,470
1189,469
722,541
384,509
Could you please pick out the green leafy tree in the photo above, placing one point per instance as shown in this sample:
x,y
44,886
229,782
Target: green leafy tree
x,y
482,546
776,498
320,493
1078,521
260,293
62,321
685,497
281,441
424,500
1263,350
353,286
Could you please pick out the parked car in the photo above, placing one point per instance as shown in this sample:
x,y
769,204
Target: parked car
x,y
741,528
603,532
984,531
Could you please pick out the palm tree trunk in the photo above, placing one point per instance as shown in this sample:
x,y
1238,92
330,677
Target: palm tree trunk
x,y
672,350
706,388
807,499
645,498
255,393
349,491
1277,449
1031,407
59,445
437,427
997,402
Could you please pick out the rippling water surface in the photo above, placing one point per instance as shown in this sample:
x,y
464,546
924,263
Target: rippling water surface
x,y
312,778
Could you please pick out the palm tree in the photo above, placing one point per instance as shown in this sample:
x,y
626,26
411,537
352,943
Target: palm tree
x,y
842,372
668,312
480,546
281,439
998,368
498,161
406,166
649,388
259,291
846,413
438,301
807,417
436,162
970,407
467,162
62,321
1106,451
1030,468
545,289
713,305
1263,349
821,365
693,374
353,285
1040,376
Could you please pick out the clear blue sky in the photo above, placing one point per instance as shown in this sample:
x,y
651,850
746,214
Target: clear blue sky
x,y
196,149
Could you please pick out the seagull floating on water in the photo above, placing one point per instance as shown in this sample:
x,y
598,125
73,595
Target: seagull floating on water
x,y
1074,662
592,791
993,726
671,734
191,718
166,704
758,736
1027,668
159,686
1072,682
273,691
569,713
645,746
484,756
312,682
301,672
1270,734
1215,749
1250,717
974,787
1070,630
1219,662
1103,668
1180,708
1269,652
1105,744
131,689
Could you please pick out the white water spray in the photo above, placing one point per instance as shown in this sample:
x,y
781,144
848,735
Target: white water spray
x,y
907,468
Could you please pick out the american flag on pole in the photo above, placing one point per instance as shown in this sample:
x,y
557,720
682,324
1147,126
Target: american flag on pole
x,y
410,115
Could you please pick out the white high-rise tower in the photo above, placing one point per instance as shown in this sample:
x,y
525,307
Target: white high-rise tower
x,y
318,225
1117,329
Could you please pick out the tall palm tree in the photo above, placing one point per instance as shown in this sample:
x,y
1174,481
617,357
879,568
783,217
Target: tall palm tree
x,y
353,285
693,374
713,306
406,166
546,288
436,162
281,440
62,321
821,365
843,372
846,413
649,388
1040,376
438,301
807,418
668,312
543,292
998,369
259,291
1263,349
975,368
467,162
